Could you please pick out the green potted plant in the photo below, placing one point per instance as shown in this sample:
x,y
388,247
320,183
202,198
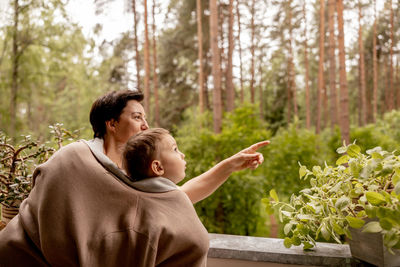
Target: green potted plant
x,y
17,163
361,194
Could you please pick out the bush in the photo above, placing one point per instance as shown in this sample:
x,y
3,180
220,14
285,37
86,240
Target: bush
x,y
235,207
288,148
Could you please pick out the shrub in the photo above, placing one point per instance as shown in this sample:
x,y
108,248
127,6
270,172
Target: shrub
x,y
235,207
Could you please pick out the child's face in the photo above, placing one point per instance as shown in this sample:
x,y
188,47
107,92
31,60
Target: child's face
x,y
172,160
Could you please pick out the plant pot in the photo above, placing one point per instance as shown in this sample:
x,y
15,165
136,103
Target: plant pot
x,y
369,248
8,213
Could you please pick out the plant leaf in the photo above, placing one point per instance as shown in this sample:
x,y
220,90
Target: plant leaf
x,y
325,233
336,227
385,224
371,211
342,203
355,222
372,227
341,150
307,245
274,195
296,241
302,171
287,242
342,160
374,198
353,150
287,228
397,188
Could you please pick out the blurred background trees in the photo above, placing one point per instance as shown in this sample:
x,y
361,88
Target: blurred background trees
x,y
220,74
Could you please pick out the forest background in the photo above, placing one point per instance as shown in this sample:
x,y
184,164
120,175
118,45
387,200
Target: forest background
x,y
220,75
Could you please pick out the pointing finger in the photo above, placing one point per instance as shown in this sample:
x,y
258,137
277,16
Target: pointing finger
x,y
258,145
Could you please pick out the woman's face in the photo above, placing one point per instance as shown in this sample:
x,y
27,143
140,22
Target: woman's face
x,y
131,121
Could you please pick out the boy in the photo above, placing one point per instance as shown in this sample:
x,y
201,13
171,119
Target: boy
x,y
154,155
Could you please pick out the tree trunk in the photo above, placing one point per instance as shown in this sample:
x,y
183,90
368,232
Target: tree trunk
x,y
321,64
137,55
146,63
240,53
344,95
385,73
391,71
155,77
375,70
397,85
15,74
216,71
252,51
230,91
260,92
221,46
332,63
292,82
200,55
362,91
308,114
207,72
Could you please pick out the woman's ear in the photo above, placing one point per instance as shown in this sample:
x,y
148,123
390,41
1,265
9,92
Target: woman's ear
x,y
157,167
111,125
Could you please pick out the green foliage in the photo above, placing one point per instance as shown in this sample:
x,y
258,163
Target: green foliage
x,y
59,71
235,207
360,186
18,162
289,147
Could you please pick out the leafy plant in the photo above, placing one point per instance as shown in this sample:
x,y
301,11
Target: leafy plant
x,y
360,186
18,162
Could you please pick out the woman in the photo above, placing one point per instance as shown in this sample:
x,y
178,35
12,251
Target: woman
x,y
85,211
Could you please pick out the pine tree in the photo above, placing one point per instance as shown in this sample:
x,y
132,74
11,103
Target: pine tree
x,y
240,52
155,77
344,95
200,55
306,66
362,88
216,70
136,43
230,90
146,62
332,63
321,64
375,69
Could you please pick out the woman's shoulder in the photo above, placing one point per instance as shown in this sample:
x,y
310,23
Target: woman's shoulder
x,y
71,152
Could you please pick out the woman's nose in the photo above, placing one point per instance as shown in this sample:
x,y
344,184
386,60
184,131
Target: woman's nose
x,y
145,126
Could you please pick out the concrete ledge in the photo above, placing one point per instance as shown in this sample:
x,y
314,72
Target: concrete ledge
x,y
272,250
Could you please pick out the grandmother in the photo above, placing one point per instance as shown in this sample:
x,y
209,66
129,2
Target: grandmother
x,y
84,210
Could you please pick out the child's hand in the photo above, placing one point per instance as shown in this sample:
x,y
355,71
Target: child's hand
x,y
247,158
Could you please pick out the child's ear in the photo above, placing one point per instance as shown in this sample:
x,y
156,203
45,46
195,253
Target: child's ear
x,y
157,167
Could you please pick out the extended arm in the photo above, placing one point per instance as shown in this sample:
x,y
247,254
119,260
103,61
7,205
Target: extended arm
x,y
205,184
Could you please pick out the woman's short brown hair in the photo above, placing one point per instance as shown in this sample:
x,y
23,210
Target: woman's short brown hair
x,y
140,150
110,106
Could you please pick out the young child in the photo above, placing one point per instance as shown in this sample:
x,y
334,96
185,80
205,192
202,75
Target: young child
x,y
154,153
168,219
